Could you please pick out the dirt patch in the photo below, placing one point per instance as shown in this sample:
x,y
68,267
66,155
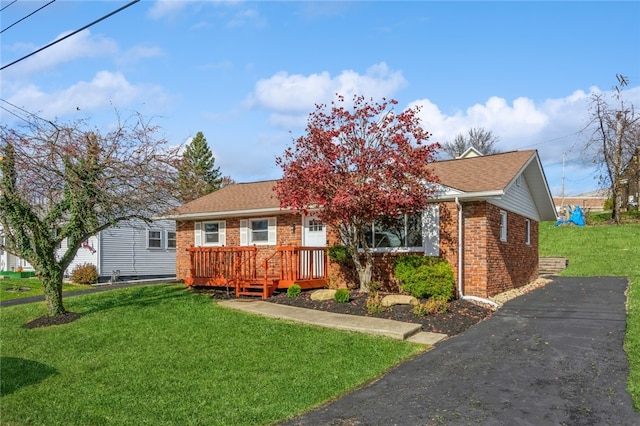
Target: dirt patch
x,y
47,321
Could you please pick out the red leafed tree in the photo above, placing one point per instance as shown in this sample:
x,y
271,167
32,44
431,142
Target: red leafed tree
x,y
70,182
358,165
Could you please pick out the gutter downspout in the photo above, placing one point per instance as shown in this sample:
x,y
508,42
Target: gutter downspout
x,y
461,259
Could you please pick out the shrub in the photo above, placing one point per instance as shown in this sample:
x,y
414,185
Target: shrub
x,y
294,291
338,254
424,276
84,274
374,303
431,306
342,295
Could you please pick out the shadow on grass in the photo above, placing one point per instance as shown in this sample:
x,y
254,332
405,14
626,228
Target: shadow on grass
x,y
135,297
20,372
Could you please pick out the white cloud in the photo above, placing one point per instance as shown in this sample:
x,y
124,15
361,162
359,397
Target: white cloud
x,y
167,8
105,90
80,45
290,98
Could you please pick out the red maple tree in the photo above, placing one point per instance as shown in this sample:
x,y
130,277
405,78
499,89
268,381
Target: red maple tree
x,y
358,165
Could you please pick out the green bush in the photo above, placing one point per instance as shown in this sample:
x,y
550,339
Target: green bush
x,y
84,274
425,277
342,295
294,291
339,254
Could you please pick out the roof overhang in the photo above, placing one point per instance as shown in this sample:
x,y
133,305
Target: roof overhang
x,y
227,213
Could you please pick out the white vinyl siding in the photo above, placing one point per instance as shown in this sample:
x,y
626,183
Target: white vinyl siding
x,y
258,231
503,225
212,233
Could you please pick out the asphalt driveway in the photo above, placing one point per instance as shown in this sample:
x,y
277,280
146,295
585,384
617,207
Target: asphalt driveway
x,y
552,357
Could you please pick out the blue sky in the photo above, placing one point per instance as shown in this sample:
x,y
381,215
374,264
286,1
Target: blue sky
x,y
247,74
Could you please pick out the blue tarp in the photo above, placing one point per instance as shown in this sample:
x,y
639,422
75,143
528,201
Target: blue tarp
x,y
576,216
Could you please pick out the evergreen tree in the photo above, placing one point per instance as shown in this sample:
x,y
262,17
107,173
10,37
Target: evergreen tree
x,y
197,175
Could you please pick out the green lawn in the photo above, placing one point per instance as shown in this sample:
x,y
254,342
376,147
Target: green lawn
x,y
9,288
602,250
161,355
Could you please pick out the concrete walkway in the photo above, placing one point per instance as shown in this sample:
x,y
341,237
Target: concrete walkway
x,y
376,326
551,357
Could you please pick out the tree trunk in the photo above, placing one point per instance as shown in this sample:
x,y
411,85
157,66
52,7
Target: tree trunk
x,y
364,274
52,285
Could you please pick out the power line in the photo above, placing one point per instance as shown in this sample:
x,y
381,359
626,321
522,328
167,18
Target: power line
x,y
8,5
22,19
69,35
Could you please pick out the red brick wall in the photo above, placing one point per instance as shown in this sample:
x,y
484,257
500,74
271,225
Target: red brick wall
x,y
493,266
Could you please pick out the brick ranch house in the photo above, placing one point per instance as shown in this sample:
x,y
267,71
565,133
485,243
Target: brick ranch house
x,y
483,219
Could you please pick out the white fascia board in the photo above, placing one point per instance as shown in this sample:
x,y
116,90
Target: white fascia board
x,y
468,196
230,213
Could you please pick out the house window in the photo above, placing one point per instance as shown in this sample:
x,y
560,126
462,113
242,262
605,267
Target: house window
x,y
154,239
259,231
210,233
400,232
527,232
503,225
315,226
171,239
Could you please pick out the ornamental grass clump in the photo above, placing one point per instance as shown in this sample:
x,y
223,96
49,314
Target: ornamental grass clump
x,y
431,306
342,295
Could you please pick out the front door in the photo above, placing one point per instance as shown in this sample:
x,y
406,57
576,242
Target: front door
x,y
314,235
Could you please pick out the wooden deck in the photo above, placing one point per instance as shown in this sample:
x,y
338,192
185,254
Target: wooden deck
x,y
239,267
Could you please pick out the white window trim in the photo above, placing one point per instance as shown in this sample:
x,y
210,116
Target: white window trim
x,y
199,237
503,225
245,232
527,232
149,231
166,239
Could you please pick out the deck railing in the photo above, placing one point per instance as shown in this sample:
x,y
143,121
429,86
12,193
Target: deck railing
x,y
294,263
222,265
238,266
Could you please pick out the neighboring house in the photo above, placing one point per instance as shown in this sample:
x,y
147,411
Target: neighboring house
x,y
589,202
130,250
483,217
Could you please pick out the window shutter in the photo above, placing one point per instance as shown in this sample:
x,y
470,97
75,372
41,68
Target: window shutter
x,y
431,230
272,231
244,237
197,237
222,233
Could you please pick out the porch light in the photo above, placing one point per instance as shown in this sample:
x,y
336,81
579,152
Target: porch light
x,y
293,227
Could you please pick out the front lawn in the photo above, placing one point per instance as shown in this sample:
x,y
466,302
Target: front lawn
x,y
162,355
604,251
14,288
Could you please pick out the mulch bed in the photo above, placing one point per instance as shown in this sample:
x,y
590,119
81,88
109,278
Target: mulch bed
x,y
47,321
461,314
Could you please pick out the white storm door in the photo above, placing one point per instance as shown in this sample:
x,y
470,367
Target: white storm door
x,y
313,235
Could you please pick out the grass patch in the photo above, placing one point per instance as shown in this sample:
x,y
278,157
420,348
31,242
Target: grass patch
x,y
604,251
162,355
10,288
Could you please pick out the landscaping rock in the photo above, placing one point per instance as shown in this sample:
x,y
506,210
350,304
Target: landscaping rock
x,y
399,299
324,294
